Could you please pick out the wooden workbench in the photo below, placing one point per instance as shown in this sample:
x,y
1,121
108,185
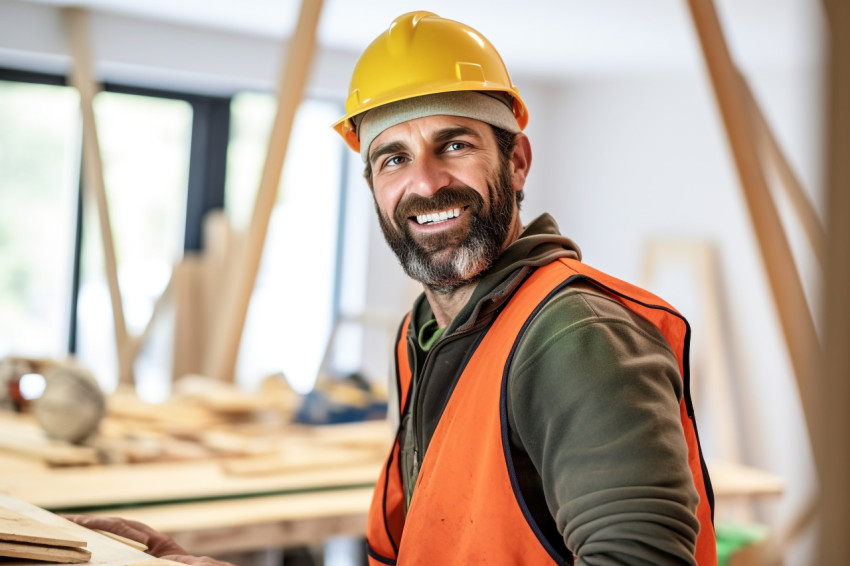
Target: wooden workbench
x,y
319,486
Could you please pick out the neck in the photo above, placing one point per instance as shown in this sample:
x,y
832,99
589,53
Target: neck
x,y
446,306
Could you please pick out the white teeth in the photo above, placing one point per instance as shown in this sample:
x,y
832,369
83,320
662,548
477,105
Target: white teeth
x,y
436,217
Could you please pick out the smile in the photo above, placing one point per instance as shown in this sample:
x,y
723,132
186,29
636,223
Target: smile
x,y
437,217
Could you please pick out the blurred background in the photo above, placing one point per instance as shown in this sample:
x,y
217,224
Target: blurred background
x,y
630,157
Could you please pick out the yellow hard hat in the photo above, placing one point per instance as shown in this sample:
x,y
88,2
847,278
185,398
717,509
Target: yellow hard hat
x,y
419,54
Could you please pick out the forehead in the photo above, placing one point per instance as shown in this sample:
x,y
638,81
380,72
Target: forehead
x,y
431,127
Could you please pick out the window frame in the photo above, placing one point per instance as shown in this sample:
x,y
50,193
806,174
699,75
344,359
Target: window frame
x,y
206,179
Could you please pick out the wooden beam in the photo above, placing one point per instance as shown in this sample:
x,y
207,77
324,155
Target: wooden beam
x,y
82,79
224,347
772,152
137,342
832,446
796,320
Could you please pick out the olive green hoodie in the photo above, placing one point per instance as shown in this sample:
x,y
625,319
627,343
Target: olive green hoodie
x,y
593,410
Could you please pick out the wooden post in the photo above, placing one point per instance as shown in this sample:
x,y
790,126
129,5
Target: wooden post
x,y
189,322
81,78
224,347
832,428
797,324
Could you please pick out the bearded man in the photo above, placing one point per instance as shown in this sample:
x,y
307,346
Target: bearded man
x,y
544,411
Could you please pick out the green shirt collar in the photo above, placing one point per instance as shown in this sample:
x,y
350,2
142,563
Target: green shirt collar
x,y
429,333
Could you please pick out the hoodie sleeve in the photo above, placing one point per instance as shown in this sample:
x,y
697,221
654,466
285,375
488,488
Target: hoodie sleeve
x,y
593,399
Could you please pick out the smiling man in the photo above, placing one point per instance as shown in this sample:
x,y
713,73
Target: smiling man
x,y
544,414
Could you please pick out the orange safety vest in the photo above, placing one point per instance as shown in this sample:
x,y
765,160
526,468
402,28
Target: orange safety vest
x,y
466,509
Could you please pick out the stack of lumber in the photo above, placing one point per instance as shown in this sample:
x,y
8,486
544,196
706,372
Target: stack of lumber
x,y
201,420
25,537
30,536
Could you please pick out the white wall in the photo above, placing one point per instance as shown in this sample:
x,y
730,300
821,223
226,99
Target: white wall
x,y
618,160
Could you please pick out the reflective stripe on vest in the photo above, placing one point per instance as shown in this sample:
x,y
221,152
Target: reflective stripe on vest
x,y
466,508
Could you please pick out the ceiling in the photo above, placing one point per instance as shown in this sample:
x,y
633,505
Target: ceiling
x,y
538,36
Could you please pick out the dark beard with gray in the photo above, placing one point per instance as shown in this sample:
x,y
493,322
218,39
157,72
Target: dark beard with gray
x,y
452,259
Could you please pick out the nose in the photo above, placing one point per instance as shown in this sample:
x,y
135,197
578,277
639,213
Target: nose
x,y
428,175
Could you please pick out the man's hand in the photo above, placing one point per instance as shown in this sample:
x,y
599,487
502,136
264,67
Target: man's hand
x,y
159,544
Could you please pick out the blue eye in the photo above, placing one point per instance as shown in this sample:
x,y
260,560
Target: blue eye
x,y
455,146
394,160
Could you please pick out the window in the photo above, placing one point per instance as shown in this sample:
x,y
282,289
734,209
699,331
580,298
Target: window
x,y
39,160
293,305
164,156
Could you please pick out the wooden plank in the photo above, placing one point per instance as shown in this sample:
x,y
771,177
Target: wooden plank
x,y
831,430
123,540
15,527
59,554
772,152
74,488
295,457
138,342
224,346
104,550
730,479
221,250
82,79
189,327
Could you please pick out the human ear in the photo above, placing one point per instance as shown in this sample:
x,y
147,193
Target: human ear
x,y
520,161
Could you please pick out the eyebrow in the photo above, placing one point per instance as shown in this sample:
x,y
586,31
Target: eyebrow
x,y
447,134
443,135
384,149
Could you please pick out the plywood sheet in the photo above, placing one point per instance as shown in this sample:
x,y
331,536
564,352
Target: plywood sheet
x,y
16,527
61,554
104,551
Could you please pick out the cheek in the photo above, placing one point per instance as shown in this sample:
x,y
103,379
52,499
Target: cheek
x,y
478,177
386,200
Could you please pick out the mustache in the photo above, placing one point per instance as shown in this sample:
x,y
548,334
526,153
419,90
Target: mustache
x,y
445,198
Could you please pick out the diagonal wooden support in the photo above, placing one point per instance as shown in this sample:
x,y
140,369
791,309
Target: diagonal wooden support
x,y
81,78
771,152
224,346
137,342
